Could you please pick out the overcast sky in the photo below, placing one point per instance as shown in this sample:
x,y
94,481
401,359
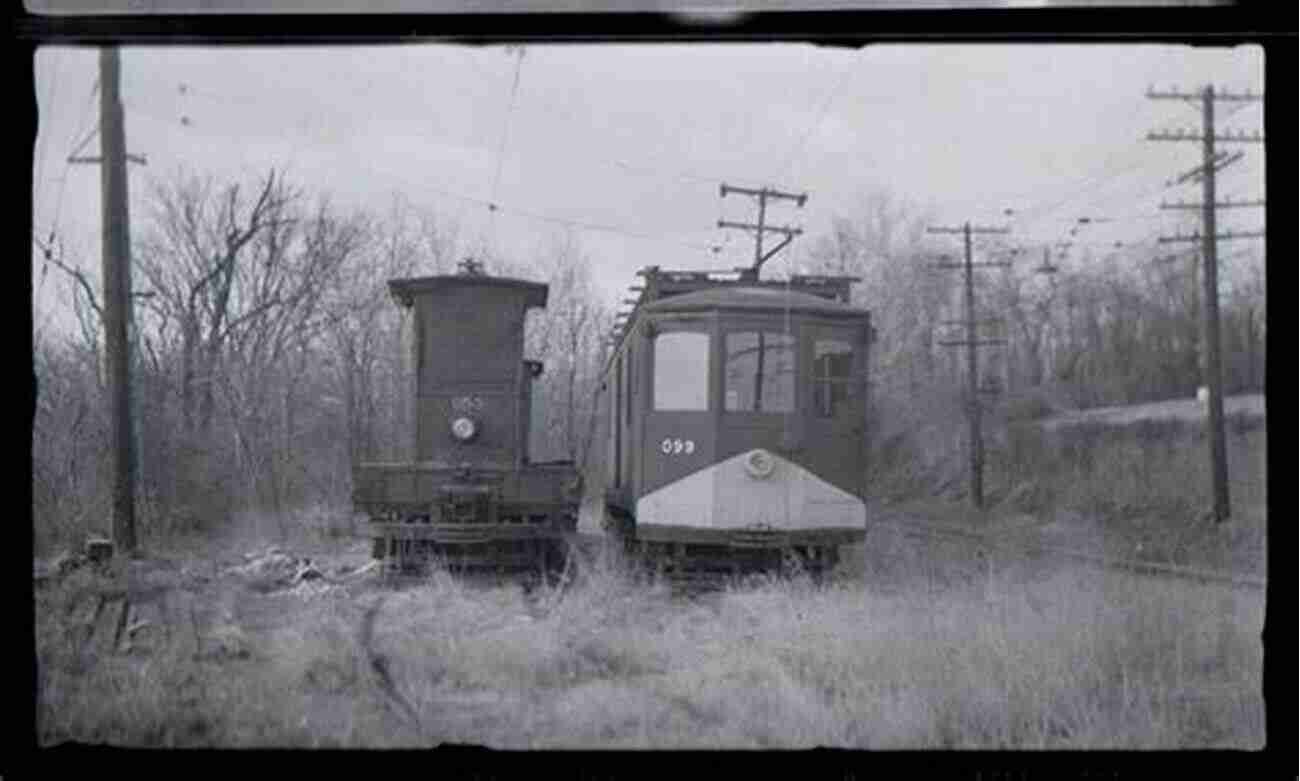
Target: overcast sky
x,y
638,138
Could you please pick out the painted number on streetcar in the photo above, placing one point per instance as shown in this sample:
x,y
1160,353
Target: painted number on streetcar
x,y
674,446
467,404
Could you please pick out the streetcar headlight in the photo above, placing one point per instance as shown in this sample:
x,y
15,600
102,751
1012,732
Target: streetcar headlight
x,y
464,429
759,463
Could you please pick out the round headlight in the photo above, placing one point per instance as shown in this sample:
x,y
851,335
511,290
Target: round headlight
x,y
759,463
463,429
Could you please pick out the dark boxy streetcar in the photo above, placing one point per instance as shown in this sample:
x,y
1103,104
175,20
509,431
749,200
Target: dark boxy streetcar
x,y
737,412
471,497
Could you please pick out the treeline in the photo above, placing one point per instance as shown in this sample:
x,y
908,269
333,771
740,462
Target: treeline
x,y
268,357
1108,328
1115,328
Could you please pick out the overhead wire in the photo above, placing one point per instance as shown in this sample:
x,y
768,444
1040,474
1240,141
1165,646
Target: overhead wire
x,y
542,217
1162,186
47,121
495,205
501,146
78,130
516,103
1149,191
43,153
815,127
1091,184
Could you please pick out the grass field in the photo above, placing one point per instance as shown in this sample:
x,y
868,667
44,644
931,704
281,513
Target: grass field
x,y
916,644
1045,657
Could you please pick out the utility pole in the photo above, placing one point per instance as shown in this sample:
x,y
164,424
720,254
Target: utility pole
x,y
975,446
1211,163
761,227
116,265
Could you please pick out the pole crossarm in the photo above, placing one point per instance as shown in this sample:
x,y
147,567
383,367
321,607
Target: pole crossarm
x,y
1216,95
766,192
92,159
1225,236
1240,137
1226,204
766,228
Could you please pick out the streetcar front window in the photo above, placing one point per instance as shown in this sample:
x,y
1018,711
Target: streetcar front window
x,y
681,374
832,375
760,372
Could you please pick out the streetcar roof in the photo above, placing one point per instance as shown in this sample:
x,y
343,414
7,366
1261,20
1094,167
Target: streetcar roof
x,y
745,298
404,289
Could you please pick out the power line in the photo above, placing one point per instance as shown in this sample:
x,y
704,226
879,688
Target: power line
x,y
1107,172
1092,184
47,119
821,116
516,103
495,206
505,129
568,222
67,167
1101,179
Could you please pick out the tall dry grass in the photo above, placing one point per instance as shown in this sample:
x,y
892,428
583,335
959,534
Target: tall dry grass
x,y
1079,659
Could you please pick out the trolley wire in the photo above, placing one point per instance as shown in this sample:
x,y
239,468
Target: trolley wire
x,y
492,203
501,146
815,127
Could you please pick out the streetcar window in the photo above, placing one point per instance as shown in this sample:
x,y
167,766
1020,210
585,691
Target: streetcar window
x,y
630,386
832,373
760,372
618,430
681,370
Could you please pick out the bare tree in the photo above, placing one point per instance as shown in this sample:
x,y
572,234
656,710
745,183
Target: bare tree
x,y
236,284
192,253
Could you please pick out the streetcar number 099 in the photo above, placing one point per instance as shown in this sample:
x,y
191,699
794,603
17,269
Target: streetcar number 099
x,y
467,404
672,446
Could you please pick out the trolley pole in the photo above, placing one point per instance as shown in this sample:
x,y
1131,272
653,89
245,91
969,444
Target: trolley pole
x,y
761,227
975,445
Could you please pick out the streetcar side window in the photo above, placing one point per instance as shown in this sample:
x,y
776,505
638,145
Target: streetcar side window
x,y
630,386
681,371
759,372
832,377
618,430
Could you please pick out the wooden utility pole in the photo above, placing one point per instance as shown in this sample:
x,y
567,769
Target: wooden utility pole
x,y
761,227
975,446
116,265
1211,163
